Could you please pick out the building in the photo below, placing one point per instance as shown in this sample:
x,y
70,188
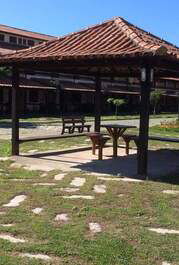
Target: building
x,y
34,92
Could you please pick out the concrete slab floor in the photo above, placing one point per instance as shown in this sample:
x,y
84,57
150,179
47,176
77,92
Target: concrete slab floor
x,y
161,162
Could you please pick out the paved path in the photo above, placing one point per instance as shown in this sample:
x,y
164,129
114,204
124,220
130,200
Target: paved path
x,y
5,132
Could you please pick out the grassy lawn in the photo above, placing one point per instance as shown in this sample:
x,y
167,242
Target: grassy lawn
x,y
60,144
124,239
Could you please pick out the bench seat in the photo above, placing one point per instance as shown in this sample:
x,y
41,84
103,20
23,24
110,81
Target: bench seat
x,y
132,137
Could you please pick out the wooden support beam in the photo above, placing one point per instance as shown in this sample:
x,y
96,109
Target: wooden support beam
x,y
97,107
146,85
15,111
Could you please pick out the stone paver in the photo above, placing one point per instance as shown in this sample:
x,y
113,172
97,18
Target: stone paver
x,y
16,201
87,197
120,179
164,231
7,225
62,217
59,176
12,239
95,227
166,263
78,182
70,190
35,256
99,188
37,210
44,184
172,192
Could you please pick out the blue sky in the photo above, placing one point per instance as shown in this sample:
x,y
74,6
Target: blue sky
x,y
59,17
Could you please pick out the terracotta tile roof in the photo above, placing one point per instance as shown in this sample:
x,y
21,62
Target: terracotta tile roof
x,y
111,39
25,33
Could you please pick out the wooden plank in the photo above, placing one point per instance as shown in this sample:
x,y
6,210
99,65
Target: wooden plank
x,y
15,111
49,137
97,107
146,86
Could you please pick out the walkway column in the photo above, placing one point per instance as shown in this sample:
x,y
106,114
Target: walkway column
x,y
146,85
15,111
97,102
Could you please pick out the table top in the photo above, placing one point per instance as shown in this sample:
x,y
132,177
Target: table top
x,y
120,126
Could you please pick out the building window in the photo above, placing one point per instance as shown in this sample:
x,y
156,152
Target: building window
x,y
13,40
20,41
33,96
24,42
1,37
30,43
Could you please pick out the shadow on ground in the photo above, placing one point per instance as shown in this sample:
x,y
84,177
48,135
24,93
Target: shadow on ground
x,y
163,164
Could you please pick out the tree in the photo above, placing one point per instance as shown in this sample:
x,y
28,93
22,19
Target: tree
x,y
4,72
116,102
155,98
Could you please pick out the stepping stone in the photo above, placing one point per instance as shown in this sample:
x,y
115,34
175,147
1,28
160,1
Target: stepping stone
x,y
120,195
62,217
7,225
36,256
59,176
37,210
33,151
16,201
164,231
87,197
44,184
172,192
78,182
166,263
12,239
99,188
121,179
4,158
95,227
1,212
69,189
44,175
20,180
15,165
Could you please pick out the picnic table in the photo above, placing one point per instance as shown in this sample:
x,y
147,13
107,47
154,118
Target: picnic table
x,y
116,131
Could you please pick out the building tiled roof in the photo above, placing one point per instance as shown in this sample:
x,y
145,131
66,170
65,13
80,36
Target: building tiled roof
x,y
111,39
25,33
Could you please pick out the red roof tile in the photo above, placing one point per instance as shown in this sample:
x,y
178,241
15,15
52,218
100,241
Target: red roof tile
x,y
25,33
110,39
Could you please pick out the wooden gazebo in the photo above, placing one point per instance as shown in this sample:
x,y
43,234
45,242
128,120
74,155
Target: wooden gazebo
x,y
112,49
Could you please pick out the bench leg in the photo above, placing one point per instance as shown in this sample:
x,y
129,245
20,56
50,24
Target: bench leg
x,y
127,146
63,130
93,148
100,152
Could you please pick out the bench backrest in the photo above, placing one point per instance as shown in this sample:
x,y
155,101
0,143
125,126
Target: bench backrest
x,y
73,120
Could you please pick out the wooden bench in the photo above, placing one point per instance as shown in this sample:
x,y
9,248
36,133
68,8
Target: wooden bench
x,y
131,137
71,123
98,141
48,137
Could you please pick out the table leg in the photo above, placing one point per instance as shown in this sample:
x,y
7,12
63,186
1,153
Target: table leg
x,y
115,147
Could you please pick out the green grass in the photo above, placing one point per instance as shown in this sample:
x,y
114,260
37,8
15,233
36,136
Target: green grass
x,y
61,144
124,240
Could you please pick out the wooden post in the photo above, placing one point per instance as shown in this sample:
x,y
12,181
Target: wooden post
x,y
15,110
146,85
97,102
